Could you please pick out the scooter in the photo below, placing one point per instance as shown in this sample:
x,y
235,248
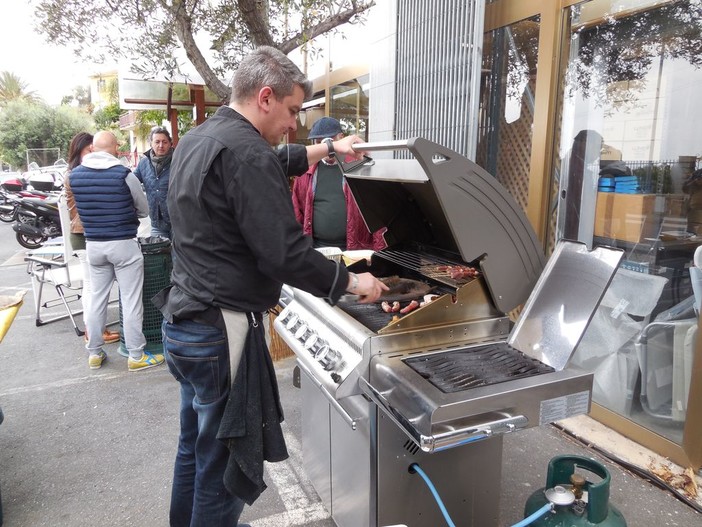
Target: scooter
x,y
10,202
8,207
37,220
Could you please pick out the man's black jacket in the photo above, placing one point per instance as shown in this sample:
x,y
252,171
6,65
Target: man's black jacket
x,y
236,239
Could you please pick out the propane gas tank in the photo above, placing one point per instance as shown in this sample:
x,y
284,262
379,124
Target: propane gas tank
x,y
576,500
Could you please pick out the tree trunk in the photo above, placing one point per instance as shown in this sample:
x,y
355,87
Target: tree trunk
x,y
255,16
185,35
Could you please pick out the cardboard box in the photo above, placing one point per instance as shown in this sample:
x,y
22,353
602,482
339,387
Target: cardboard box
x,y
676,205
627,217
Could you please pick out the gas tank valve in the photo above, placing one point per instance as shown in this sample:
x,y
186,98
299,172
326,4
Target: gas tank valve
x,y
577,501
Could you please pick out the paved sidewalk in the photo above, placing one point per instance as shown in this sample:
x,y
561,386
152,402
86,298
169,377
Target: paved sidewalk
x,y
84,447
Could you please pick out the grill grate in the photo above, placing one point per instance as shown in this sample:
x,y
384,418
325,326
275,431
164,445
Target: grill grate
x,y
464,369
425,264
370,315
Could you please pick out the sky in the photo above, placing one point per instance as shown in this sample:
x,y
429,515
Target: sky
x,y
49,70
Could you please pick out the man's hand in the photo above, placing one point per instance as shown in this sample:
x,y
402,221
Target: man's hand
x,y
342,147
367,286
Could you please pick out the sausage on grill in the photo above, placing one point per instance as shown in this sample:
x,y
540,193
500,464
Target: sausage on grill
x,y
409,307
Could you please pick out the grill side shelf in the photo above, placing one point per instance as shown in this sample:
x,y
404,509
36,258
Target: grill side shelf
x,y
473,367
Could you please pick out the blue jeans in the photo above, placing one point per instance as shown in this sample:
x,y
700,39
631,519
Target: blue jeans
x,y
163,233
198,357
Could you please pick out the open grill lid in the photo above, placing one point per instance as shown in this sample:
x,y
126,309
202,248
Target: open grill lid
x,y
443,199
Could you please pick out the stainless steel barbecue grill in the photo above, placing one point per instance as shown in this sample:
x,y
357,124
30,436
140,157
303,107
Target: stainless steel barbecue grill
x,y
383,391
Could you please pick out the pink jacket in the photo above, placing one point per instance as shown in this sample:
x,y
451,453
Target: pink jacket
x,y
357,234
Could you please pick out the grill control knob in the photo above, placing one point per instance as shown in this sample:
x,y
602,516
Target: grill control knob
x,y
310,342
301,332
317,346
291,321
336,377
321,351
330,359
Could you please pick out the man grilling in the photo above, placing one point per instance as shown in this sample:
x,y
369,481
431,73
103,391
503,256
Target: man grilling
x,y
235,241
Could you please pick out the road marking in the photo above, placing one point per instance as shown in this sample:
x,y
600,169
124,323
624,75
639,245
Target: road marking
x,y
62,384
296,518
15,259
299,498
15,288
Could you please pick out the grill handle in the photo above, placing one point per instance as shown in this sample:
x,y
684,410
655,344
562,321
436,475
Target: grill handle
x,y
477,432
445,440
400,144
330,398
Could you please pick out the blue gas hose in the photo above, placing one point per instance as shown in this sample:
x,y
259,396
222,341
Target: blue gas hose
x,y
526,521
415,468
534,516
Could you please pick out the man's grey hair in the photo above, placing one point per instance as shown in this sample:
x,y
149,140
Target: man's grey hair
x,y
267,66
159,130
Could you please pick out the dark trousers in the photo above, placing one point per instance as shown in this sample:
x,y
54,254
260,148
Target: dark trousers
x,y
198,357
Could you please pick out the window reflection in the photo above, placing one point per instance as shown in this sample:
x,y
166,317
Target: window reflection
x,y
506,118
628,175
349,104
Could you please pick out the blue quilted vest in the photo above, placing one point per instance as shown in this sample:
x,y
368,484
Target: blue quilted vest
x,y
105,204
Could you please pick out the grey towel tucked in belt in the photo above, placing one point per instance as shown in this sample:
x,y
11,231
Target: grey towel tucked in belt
x,y
250,425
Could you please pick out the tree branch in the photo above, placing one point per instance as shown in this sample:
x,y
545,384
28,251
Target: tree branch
x,y
324,26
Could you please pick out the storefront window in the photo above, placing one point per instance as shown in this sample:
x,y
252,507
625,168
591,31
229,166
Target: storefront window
x,y
628,175
311,111
349,104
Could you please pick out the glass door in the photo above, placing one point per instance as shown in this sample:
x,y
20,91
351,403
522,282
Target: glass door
x,y
517,97
628,174
507,104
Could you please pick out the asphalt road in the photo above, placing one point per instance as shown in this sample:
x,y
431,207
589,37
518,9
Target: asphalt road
x,y
84,447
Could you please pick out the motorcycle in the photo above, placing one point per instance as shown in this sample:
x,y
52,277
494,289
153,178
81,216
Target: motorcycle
x,y
10,202
37,220
8,209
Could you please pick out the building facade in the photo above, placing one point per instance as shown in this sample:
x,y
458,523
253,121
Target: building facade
x,y
586,112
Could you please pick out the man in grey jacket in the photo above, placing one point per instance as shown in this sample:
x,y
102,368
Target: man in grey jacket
x,y
110,202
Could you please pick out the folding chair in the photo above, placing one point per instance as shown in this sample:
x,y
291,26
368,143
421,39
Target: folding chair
x,y
666,352
666,367
56,265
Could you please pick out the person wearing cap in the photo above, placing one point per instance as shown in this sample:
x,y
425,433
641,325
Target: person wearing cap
x,y
324,205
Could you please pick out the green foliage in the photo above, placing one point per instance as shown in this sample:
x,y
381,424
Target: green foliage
x,y
152,35
147,119
13,88
107,118
80,97
655,178
29,125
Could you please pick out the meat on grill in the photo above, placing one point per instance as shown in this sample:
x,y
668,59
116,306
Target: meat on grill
x,y
403,289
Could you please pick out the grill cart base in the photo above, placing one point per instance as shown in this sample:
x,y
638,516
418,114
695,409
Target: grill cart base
x,y
362,476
